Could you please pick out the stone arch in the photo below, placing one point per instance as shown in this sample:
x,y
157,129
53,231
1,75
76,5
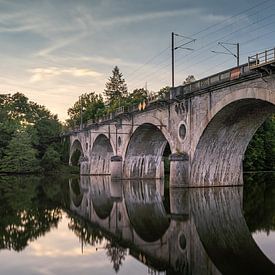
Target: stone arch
x,y
100,157
143,157
235,94
219,152
76,146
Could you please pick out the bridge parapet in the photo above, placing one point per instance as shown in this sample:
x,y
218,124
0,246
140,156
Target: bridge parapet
x,y
262,59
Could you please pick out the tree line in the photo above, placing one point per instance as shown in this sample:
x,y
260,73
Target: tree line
x,y
30,139
93,105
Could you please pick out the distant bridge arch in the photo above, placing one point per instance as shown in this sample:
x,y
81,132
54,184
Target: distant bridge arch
x,y
76,146
143,156
100,157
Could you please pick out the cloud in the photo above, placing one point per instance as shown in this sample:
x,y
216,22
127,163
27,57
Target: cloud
x,y
136,18
40,74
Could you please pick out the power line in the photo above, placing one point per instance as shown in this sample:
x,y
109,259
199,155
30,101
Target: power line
x,y
217,24
213,25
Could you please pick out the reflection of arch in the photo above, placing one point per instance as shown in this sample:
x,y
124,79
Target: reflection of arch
x,y
224,233
101,154
101,196
144,153
145,210
220,150
76,146
76,194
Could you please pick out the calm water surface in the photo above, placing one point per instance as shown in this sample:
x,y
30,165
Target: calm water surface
x,y
91,225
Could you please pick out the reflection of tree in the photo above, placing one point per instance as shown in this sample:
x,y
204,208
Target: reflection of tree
x,y
26,213
117,255
259,201
90,234
86,233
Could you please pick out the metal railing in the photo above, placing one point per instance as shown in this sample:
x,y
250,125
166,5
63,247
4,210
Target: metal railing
x,y
261,59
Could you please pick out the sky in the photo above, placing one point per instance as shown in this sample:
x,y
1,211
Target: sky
x,y
53,51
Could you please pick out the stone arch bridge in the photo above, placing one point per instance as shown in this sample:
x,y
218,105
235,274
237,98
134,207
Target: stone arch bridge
x,y
206,126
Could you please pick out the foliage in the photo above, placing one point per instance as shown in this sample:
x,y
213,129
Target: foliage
x,y
189,79
116,88
51,159
92,106
137,96
20,156
47,132
260,153
26,131
163,91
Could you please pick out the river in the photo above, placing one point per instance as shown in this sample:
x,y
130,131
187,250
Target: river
x,y
92,225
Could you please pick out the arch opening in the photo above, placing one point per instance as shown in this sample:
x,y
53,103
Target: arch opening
x,y
147,153
101,154
220,151
76,153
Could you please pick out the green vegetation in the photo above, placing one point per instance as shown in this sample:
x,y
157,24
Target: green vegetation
x,y
92,107
20,156
29,136
116,95
260,153
116,88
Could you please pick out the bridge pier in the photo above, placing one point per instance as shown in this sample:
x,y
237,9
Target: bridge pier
x,y
116,167
179,170
84,166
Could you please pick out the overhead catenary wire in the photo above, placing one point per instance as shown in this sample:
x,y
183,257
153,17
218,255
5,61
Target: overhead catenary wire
x,y
215,40
218,24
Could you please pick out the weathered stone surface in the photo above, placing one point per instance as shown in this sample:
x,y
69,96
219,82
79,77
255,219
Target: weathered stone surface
x,y
116,167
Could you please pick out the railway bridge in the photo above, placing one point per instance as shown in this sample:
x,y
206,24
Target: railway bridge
x,y
204,127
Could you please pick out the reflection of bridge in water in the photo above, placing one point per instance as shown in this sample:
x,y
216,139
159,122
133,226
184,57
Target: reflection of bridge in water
x,y
197,231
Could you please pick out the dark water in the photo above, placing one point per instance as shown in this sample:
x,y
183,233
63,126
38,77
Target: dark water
x,y
90,225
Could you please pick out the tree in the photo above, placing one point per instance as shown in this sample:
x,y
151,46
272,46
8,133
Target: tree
x,y
138,95
163,91
46,132
92,106
189,79
20,156
260,153
116,88
51,159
